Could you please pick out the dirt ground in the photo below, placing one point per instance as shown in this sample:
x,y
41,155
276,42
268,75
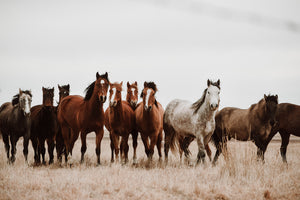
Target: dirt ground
x,y
238,177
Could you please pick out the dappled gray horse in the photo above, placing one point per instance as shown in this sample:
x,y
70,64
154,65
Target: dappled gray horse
x,y
185,119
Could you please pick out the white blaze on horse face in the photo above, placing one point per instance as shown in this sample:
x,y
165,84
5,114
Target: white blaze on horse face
x,y
102,82
213,97
26,98
113,95
147,97
132,90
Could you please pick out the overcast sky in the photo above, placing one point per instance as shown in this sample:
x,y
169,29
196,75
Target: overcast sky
x,y
252,47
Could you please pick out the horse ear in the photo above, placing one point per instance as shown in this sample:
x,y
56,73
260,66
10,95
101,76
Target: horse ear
x,y
121,83
276,96
128,85
52,89
20,91
208,82
135,83
265,96
58,86
97,75
43,89
68,86
142,94
145,84
218,82
106,75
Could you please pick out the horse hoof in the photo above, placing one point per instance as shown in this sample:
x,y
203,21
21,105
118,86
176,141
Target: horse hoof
x,y
135,161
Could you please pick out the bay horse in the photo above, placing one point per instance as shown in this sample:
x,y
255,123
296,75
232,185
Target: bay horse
x,y
84,115
64,91
254,123
183,119
119,121
132,98
288,123
15,123
149,120
44,127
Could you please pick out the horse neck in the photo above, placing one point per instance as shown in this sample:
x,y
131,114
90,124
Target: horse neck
x,y
205,112
148,115
93,105
17,111
259,110
117,111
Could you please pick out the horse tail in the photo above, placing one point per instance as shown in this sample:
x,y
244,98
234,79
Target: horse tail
x,y
215,139
170,137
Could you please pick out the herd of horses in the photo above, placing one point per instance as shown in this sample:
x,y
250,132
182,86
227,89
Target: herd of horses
x,y
181,122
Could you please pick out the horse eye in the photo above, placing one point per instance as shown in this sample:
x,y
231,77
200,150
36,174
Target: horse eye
x,y
218,92
208,93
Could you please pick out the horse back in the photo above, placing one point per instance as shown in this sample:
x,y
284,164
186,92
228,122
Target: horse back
x,y
288,117
233,122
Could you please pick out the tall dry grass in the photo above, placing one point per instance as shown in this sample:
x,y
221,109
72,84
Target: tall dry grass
x,y
238,177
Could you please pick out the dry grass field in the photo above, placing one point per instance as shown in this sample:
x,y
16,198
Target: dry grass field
x,y
238,177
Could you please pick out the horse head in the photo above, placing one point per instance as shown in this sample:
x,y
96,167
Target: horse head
x,y
132,94
148,95
64,91
271,102
115,96
48,94
213,94
101,86
25,98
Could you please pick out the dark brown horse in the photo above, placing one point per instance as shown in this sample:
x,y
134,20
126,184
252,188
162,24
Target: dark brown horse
x,y
84,115
15,123
119,121
44,127
288,118
64,91
149,120
254,123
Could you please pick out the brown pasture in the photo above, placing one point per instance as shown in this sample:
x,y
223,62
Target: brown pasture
x,y
239,177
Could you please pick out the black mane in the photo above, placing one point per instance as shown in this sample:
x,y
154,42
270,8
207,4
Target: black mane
x,y
196,106
16,98
273,98
151,85
89,91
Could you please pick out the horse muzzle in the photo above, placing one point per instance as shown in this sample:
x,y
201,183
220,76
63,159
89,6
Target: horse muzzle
x,y
214,107
133,104
148,108
102,99
113,103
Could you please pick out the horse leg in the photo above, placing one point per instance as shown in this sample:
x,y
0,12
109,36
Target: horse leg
x,y
208,151
6,143
115,146
285,139
83,145
34,143
99,136
201,150
153,141
13,141
50,143
146,143
112,148
25,146
42,150
158,145
125,147
134,145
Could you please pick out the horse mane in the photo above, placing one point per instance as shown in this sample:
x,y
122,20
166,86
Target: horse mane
x,y
89,90
196,106
151,85
16,98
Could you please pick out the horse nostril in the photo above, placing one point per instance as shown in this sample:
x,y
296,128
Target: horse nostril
x,y
150,107
272,122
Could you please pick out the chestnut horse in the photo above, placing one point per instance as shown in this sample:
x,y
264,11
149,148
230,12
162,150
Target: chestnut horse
x,y
119,121
288,118
64,91
149,120
15,123
254,123
84,115
184,120
44,127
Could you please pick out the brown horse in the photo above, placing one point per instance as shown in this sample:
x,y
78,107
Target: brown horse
x,y
119,121
254,123
15,123
149,120
84,115
64,91
44,127
288,118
